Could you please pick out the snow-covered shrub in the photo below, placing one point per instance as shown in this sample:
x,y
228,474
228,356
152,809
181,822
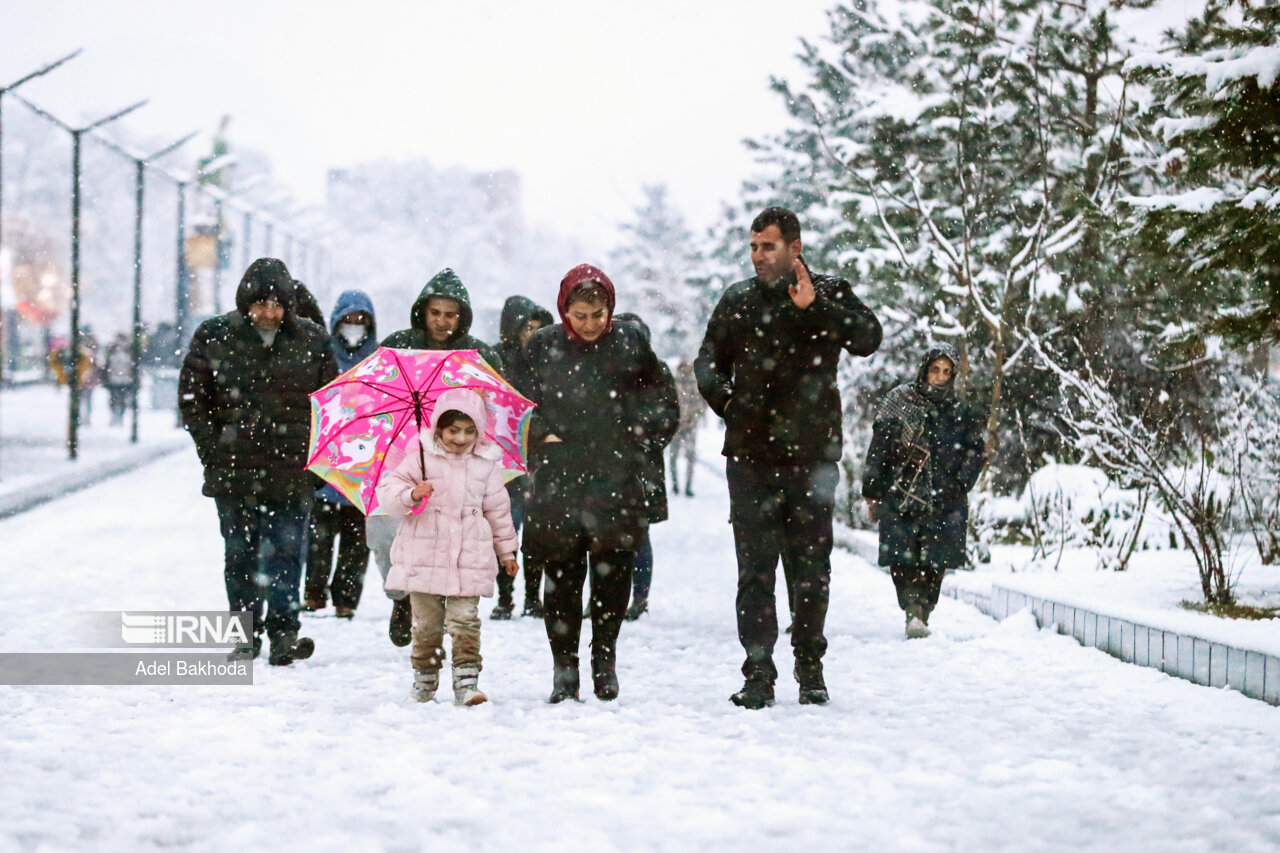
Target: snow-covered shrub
x,y
1079,506
1249,453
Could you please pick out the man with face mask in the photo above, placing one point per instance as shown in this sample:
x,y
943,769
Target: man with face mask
x,y
353,337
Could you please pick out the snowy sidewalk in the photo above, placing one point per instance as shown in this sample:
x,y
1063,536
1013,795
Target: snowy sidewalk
x,y
983,737
34,467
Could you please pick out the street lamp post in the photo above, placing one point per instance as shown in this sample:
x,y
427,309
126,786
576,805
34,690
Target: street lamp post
x,y
73,377
6,323
135,370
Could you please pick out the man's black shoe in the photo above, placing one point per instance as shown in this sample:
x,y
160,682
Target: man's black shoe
x,y
813,690
502,612
755,694
289,647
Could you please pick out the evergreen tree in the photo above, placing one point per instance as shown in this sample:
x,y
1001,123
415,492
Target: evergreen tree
x,y
658,269
1217,232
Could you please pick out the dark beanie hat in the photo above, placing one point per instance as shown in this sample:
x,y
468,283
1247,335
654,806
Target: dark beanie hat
x,y
266,278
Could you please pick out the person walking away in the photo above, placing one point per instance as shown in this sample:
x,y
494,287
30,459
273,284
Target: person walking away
x,y
353,336
439,319
685,444
588,512
661,411
457,515
243,395
925,456
767,365
521,317
117,376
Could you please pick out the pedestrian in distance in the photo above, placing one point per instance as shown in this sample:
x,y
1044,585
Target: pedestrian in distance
x,y
117,376
684,446
243,395
353,336
767,366
926,454
440,319
663,418
590,379
521,318
456,516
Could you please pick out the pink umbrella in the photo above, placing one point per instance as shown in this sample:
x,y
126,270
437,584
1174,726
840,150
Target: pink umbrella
x,y
362,422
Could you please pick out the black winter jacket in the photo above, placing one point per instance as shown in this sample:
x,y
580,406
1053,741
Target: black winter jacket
x,y
609,404
769,368
246,405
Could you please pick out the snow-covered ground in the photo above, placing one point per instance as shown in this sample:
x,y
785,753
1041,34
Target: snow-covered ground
x,y
33,436
986,736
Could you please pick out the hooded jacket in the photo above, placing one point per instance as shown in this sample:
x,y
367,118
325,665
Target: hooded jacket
x,y
352,302
245,403
517,311
597,398
448,547
348,302
446,285
925,456
769,368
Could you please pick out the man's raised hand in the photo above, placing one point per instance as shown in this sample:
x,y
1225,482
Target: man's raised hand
x,y
802,291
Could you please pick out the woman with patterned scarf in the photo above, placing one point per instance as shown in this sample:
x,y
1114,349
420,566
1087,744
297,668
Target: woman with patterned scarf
x,y
925,455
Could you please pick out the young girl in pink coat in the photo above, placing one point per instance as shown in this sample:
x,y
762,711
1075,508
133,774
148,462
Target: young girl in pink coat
x,y
457,516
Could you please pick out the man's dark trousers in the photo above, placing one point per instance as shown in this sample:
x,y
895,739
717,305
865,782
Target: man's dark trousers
x,y
782,511
248,526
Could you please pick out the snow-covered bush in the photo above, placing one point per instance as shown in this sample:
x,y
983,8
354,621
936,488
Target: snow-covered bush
x,y
1249,454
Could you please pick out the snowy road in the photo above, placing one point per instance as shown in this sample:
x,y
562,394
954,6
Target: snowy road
x,y
983,737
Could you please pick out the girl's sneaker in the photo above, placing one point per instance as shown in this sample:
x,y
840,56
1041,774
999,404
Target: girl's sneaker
x,y
466,689
425,684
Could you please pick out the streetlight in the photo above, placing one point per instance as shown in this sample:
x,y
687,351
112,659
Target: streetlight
x,y
73,376
140,166
7,322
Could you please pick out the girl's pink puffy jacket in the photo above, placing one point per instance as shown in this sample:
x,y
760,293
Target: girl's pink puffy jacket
x,y
451,547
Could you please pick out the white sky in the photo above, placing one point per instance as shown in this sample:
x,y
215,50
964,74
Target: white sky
x,y
587,100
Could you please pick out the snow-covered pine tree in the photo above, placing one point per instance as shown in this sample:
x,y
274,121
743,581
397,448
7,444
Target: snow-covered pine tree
x,y
657,268
1218,230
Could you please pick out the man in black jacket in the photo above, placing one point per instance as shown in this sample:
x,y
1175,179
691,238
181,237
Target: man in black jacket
x,y
242,394
767,365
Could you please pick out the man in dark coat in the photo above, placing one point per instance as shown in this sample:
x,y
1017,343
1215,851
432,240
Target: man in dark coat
x,y
439,319
521,317
925,455
353,336
591,379
767,365
242,394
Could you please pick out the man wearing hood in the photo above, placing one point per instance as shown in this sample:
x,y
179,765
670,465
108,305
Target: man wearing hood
x,y
767,365
439,319
926,453
242,394
353,336
521,317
